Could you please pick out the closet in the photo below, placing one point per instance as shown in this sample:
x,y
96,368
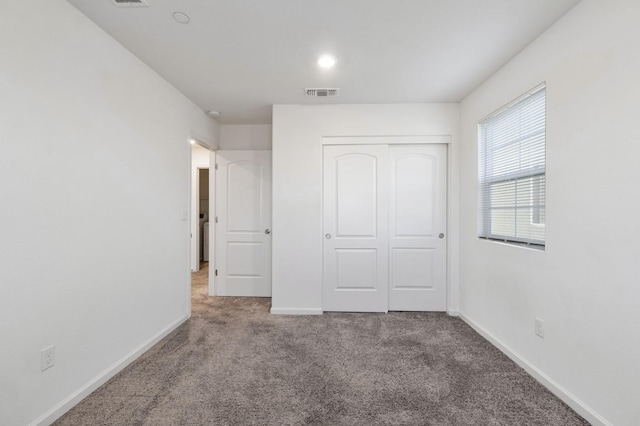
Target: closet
x,y
384,224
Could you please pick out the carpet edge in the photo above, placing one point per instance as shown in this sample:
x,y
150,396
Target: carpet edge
x,y
75,397
554,387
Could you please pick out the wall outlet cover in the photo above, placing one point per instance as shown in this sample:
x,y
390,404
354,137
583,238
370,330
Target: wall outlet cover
x,y
47,357
539,328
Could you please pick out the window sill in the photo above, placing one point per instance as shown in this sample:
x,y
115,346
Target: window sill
x,y
530,246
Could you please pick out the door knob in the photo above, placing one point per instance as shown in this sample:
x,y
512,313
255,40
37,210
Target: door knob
x,y
441,236
327,236
267,231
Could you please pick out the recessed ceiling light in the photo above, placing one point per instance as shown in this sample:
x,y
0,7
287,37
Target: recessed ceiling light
x,y
326,61
180,17
192,141
213,114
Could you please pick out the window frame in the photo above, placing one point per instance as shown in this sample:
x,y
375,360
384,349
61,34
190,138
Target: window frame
x,y
486,183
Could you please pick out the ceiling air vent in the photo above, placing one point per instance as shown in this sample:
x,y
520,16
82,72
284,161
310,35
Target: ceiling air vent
x,y
321,93
130,3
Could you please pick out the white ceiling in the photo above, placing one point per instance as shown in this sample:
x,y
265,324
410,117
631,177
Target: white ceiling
x,y
240,57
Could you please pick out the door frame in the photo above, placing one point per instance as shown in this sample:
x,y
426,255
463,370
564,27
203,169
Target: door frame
x,y
449,189
187,214
213,167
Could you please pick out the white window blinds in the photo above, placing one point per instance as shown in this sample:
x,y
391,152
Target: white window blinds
x,y
512,171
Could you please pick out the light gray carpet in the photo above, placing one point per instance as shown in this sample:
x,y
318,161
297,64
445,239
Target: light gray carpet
x,y
235,364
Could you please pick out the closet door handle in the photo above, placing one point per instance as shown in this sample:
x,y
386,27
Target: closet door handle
x,y
267,231
327,236
441,236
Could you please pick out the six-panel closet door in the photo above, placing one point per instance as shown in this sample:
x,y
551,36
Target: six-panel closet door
x,y
384,223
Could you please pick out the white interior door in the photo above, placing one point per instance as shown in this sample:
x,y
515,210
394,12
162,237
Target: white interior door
x,y
384,224
417,226
355,227
243,209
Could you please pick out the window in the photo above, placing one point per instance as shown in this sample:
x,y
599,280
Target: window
x,y
512,171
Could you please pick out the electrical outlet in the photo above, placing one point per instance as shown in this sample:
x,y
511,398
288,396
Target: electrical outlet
x,y
47,357
540,328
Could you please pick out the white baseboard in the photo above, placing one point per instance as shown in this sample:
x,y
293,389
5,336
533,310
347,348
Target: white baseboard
x,y
453,312
296,311
66,404
567,397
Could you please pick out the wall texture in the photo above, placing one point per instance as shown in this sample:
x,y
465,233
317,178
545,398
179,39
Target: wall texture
x,y
245,136
94,180
585,284
297,186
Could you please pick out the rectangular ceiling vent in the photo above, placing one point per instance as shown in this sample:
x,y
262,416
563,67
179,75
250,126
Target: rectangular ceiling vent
x,y
130,3
321,93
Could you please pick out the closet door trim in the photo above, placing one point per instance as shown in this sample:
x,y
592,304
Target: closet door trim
x,y
387,140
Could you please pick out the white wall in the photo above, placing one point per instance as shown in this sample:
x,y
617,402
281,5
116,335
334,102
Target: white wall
x,y
94,180
585,286
297,186
199,160
245,136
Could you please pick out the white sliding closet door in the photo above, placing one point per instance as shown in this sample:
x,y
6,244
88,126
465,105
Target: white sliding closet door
x,y
355,226
417,212
384,225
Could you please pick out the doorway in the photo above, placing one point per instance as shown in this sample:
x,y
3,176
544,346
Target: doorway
x,y
200,202
202,219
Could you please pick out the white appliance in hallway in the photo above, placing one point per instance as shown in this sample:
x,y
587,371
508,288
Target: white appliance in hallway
x,y
384,228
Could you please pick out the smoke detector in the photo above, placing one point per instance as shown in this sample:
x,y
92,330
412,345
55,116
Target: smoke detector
x,y
130,3
181,18
321,93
